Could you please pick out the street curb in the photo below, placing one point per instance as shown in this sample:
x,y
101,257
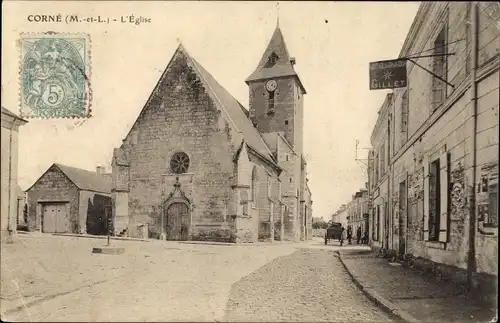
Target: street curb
x,y
232,244
98,237
378,299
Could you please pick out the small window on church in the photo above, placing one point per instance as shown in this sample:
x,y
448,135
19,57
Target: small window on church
x,y
270,103
286,122
179,163
273,58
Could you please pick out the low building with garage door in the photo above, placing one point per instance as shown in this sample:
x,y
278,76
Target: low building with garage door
x,y
70,200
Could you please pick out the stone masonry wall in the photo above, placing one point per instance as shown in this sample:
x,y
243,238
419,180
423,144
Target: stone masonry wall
x,y
54,186
181,117
284,116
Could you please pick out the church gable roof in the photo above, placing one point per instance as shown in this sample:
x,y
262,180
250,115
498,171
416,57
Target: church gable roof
x,y
275,61
224,101
235,110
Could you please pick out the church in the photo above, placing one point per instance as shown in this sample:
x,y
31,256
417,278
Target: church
x,y
197,165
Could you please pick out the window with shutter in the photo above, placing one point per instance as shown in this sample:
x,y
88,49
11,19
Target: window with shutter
x,y
434,200
443,194
404,117
426,200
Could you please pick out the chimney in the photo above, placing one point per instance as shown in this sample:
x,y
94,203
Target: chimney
x,y
292,60
99,170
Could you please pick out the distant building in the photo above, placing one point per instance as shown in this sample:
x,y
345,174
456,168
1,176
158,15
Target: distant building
x,y
70,200
379,177
9,187
341,216
434,165
358,211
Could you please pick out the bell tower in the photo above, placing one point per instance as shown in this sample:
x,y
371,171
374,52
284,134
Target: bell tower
x,y
276,93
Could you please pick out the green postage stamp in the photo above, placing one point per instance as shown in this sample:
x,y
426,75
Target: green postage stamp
x,y
55,75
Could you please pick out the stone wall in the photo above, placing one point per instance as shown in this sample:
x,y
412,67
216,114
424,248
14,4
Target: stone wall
x,y
180,117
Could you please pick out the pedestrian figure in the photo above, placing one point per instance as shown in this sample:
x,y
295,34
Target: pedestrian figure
x,y
358,235
341,237
349,234
365,238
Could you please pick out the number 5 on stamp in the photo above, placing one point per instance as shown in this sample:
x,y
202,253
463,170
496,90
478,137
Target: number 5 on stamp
x,y
55,75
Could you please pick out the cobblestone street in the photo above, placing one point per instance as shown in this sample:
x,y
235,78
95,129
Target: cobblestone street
x,y
170,281
152,281
309,285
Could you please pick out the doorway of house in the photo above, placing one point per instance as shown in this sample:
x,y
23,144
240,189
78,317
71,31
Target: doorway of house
x,y
402,218
55,218
177,221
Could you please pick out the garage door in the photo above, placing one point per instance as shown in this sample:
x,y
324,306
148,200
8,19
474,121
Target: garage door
x,y
55,218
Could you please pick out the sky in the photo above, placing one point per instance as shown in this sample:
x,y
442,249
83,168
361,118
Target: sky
x,y
333,43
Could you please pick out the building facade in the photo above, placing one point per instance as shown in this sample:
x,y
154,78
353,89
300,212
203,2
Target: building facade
x,y
358,212
379,177
341,215
438,191
70,200
197,165
10,187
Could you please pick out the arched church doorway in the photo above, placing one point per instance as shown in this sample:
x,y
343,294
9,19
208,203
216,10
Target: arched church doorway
x,y
177,221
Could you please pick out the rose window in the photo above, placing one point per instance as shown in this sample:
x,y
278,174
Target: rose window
x,y
179,163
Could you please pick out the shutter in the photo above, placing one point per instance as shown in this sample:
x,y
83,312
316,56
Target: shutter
x,y
380,214
444,192
426,199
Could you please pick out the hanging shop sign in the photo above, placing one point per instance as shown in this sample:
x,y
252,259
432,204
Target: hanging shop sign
x,y
388,74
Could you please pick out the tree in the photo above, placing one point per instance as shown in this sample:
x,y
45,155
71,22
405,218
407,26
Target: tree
x,y
320,225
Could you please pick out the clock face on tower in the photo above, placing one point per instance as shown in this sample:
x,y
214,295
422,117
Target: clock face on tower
x,y
271,85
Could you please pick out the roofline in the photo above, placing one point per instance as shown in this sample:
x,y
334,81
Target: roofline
x,y
13,115
46,171
238,151
210,89
162,76
66,175
383,114
286,142
211,93
415,27
272,163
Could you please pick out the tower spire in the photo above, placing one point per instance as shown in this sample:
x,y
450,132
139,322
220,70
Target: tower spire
x,y
277,14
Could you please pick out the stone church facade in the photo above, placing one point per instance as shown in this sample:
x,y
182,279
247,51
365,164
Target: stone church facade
x,y
197,165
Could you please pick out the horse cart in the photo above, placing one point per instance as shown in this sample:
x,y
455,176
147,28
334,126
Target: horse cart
x,y
334,231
